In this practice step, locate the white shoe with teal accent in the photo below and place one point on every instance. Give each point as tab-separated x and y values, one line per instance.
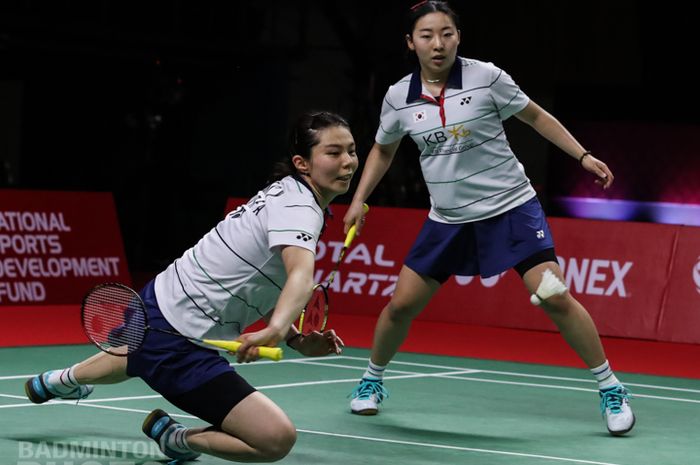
39	390
367	396
614	405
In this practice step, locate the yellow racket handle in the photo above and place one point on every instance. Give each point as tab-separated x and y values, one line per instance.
351	232
272	353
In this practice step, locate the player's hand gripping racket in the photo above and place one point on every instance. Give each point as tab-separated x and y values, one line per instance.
315	315
114	318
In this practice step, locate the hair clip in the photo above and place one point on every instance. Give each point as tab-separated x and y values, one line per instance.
418	5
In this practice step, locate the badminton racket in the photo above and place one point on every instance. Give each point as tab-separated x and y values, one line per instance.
315	315
115	320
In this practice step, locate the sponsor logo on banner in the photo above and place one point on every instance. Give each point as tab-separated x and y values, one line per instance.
586	276
596	276
48	254
356	282
696	275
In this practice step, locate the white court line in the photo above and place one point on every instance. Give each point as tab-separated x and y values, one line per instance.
394	441
409	375
355	367
260	388
526	375
354	380
459	448
312	361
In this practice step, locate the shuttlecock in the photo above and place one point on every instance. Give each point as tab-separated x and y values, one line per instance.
549	286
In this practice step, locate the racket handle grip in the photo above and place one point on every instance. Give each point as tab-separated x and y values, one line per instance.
351	232
272	353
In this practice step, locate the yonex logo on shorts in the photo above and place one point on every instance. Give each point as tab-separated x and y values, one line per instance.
540	234
696	275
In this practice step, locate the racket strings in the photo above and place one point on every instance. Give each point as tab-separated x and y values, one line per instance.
114	319
315	313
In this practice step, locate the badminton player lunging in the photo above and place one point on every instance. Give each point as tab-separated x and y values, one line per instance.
260	257
484	217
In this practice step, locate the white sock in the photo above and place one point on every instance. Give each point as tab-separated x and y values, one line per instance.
176	438
62	381
374	371
605	376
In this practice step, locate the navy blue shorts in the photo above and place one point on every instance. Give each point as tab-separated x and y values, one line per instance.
487	247
172	365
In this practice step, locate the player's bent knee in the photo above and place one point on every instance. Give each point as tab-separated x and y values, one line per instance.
398	312
558	305
277	447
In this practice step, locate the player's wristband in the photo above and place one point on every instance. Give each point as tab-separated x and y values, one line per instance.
584	155
292	339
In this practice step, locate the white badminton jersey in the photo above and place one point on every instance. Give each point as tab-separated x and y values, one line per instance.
234	274
467	163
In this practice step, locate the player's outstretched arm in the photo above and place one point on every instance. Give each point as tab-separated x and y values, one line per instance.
551	129
299	264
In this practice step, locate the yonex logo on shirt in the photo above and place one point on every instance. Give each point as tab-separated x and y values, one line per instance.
304	237
466	100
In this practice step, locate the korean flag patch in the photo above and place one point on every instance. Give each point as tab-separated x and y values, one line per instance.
419	116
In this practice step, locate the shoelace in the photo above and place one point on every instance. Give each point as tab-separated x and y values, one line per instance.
367	387
613	399
84	391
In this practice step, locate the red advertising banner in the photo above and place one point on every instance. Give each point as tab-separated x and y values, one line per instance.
637	280
680	313
54	246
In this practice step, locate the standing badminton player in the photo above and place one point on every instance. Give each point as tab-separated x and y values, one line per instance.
260	257
484	217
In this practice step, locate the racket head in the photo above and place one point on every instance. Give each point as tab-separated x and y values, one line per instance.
114	318
315	315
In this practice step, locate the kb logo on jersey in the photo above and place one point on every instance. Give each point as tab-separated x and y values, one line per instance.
434	138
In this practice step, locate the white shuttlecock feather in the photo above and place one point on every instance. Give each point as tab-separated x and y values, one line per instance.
549	286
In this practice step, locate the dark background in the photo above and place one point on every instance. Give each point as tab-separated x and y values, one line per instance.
176	105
